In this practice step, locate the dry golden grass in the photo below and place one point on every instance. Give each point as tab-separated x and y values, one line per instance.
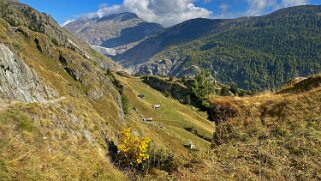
274	137
58	140
44	142
69	136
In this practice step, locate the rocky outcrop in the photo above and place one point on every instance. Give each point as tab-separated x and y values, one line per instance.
52	57
20	82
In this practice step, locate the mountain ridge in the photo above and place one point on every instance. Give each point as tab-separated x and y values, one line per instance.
242	41
113	31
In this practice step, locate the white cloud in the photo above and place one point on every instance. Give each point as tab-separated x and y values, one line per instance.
288	3
171	12
106	10
259	7
165	12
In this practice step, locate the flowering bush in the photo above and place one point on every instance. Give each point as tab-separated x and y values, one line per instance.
133	148
136	154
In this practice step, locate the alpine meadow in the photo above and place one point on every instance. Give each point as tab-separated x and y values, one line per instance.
160	90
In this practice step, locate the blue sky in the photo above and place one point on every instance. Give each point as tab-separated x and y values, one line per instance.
166	12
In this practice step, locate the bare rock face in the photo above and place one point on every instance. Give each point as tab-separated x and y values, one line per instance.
18	81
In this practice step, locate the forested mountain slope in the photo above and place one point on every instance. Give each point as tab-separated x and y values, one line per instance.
254	52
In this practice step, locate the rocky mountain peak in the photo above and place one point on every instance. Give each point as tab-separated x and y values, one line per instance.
116	32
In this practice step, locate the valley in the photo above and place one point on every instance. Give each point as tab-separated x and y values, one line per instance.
256	53
230	99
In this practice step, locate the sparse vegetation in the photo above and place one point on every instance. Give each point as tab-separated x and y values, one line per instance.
120	88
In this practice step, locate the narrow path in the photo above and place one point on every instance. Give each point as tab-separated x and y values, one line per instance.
52	101
4	104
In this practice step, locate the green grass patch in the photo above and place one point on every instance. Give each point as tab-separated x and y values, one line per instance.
18	118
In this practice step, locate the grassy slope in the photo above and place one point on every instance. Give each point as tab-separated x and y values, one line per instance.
291	121
54	140
274	137
65	139
168	127
43	141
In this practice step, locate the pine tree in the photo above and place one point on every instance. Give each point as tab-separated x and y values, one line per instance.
203	85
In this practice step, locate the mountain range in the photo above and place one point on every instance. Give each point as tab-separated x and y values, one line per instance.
69	113
253	52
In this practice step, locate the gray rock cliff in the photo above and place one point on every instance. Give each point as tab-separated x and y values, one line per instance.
20	82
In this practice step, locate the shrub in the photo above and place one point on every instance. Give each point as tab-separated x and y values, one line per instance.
124	101
131	152
223	110
55	41
234	89
162	160
225	91
135	154
133	148
203	85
